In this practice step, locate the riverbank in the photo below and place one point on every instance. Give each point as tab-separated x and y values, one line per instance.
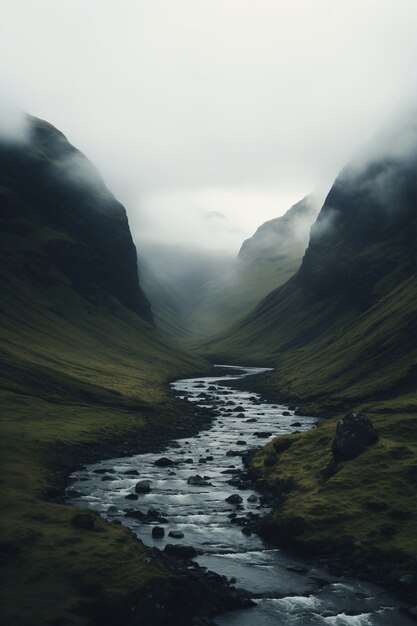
362	519
55	571
196	496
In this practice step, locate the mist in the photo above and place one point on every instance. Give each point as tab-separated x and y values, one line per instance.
234	107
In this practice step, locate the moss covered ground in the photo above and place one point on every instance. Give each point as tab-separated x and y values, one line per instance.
365	513
77	377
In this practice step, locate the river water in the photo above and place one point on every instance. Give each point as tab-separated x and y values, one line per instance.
288	591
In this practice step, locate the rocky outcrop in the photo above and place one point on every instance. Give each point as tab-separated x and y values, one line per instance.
354	433
52	193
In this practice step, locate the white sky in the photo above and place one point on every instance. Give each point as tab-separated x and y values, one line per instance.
191	106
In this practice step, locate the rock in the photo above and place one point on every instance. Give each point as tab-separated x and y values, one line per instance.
251	420
262	434
108	478
153	515
158	532
354	433
143	486
239	408
176	534
131	473
296	424
164	462
131	496
286	413
197	480
211	388
234	499
83	521
234	453
180	551
104	470
135	513
241	442
252	498
188	461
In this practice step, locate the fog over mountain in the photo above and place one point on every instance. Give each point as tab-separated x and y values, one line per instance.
186	108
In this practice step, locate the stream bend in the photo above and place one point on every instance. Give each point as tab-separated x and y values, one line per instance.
288	591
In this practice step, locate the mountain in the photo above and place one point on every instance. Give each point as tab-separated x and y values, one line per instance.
174	279
82	373
194	294
266	260
341	337
343	325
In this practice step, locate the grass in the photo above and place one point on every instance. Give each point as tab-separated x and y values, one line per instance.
76	376
368	505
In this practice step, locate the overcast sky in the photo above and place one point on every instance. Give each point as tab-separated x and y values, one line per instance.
190	108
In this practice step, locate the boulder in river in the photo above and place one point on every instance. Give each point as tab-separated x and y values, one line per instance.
235	498
179	551
198	480
354	433
164	462
176	534
158	532
131	472
262	434
143	486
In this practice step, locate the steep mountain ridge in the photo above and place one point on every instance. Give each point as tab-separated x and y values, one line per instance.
82	372
47	183
267	259
334	320
341	337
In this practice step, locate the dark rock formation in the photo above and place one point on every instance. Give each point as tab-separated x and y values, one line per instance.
354	433
52	184
179	551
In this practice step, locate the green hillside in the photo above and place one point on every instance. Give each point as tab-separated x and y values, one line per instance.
341	336
82	370
343	326
265	261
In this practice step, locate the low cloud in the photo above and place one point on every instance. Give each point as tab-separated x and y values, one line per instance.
14	125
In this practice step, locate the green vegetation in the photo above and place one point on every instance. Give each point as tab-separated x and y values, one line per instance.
340	336
73	377
366	511
80	374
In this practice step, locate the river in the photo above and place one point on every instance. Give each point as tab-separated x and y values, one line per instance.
288	591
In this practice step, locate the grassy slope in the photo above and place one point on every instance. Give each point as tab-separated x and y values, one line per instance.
333	355
74	375
366	512
231	297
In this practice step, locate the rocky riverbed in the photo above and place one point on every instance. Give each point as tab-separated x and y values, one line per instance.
195	503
